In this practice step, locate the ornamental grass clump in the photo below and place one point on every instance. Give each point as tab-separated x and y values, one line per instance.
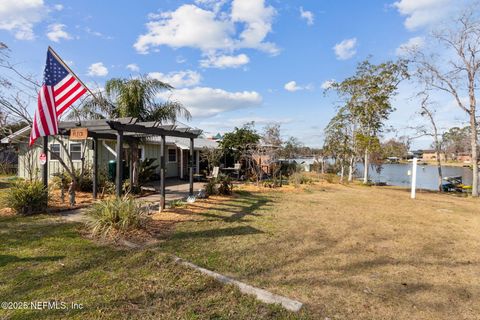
118	215
26	197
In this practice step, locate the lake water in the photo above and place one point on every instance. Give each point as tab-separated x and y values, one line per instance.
427	176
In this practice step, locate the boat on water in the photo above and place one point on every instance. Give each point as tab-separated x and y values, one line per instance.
454	184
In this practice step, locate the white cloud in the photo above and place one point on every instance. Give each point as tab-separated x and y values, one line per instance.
178	79
258	23
346	49
327	84
58	7
421	13
412	44
307	15
292	86
56	32
97	70
225	61
214	5
133	67
19	17
97	34
246	26
206	102
180	28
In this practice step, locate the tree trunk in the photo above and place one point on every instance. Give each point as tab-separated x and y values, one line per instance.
439	167
365	170
473	132
134	155
350	169
342	171
474	146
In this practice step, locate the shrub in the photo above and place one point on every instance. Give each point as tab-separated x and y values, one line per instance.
330	177
298	178
177	204
146	169
128	188
222	185
211	188
225	186
26	197
84	182
116	215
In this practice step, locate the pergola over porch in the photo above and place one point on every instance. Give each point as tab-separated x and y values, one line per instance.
129	130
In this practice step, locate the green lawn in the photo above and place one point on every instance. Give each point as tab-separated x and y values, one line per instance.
347	252
44	259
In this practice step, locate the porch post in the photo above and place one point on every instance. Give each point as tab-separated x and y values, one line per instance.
45	166
95	167
119	173
162	174
181	163
198	161
190	167
130	164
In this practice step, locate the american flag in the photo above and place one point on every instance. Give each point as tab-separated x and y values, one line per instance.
60	90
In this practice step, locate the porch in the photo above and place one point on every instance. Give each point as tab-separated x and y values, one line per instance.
175	189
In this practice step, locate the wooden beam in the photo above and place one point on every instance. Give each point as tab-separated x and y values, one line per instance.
93	123
191	160
95	168
152	130
45	166
162	173
119	171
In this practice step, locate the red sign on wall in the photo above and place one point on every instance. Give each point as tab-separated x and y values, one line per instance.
43	158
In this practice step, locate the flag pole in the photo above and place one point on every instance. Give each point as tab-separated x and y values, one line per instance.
71	71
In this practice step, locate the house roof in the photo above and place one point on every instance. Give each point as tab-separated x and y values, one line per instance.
184	143
14	137
107	129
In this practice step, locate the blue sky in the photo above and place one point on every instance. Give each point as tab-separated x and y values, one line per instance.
230	61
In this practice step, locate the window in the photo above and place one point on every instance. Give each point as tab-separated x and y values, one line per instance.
76	151
140	153
172	155
54	151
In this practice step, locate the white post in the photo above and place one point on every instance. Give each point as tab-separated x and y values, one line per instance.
414	177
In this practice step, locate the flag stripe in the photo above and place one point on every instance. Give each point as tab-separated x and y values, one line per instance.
67	93
51	99
51	108
47	112
81	91
59	91
65	88
61	83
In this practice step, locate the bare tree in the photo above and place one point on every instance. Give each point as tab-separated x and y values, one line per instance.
21	91
428	111
457	73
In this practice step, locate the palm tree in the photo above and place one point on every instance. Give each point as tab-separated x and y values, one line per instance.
138	98
131	97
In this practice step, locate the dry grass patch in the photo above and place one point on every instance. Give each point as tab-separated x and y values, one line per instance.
348	252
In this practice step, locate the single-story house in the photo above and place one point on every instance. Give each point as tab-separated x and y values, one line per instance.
177	154
431	155
464	157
